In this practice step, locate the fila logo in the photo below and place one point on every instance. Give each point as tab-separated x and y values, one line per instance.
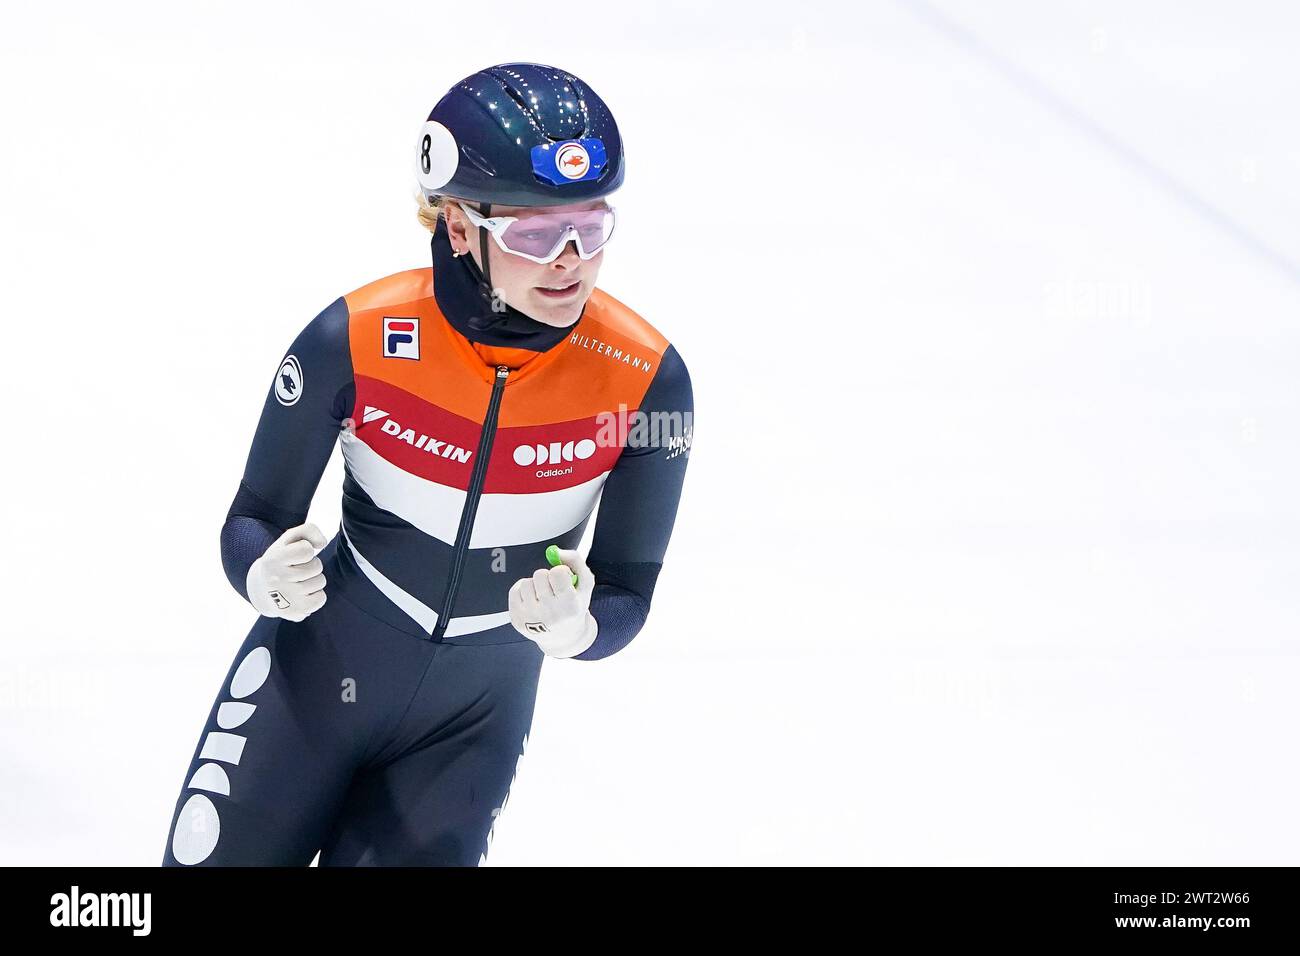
434	446
529	455
401	338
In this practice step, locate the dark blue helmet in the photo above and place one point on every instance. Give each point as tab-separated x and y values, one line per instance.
520	134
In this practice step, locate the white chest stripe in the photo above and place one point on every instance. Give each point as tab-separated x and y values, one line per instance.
413	607
504	520
431	507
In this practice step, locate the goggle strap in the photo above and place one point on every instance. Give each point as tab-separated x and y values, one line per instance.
483	209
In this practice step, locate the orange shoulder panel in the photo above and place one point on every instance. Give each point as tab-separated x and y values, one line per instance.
399	288
617	317
610	358
441	375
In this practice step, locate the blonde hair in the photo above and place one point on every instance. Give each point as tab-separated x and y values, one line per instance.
430	210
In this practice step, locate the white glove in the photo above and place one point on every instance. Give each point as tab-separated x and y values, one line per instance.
548	610
286	581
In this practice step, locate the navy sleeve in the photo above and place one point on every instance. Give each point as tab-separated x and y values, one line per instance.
638	507
312	393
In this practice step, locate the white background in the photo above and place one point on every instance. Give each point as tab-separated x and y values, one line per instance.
988	547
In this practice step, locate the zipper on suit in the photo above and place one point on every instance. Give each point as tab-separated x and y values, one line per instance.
476	478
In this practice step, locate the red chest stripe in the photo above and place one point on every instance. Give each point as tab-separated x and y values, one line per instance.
531	458
415	435
426	440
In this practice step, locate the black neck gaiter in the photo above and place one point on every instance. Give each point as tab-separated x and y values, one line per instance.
464	298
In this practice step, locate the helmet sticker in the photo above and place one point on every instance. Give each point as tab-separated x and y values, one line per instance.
436	156
572	161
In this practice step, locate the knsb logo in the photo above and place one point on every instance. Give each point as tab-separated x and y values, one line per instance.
401	338
102	909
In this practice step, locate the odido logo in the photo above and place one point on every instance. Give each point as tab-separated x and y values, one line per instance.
554	453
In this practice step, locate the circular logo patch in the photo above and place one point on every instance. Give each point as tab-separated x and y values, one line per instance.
572	160
288	381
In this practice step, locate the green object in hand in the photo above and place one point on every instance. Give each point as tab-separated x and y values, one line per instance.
553	558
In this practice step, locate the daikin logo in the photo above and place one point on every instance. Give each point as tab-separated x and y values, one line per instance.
434	446
102	909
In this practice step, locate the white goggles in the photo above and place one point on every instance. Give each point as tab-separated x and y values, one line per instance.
542	237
